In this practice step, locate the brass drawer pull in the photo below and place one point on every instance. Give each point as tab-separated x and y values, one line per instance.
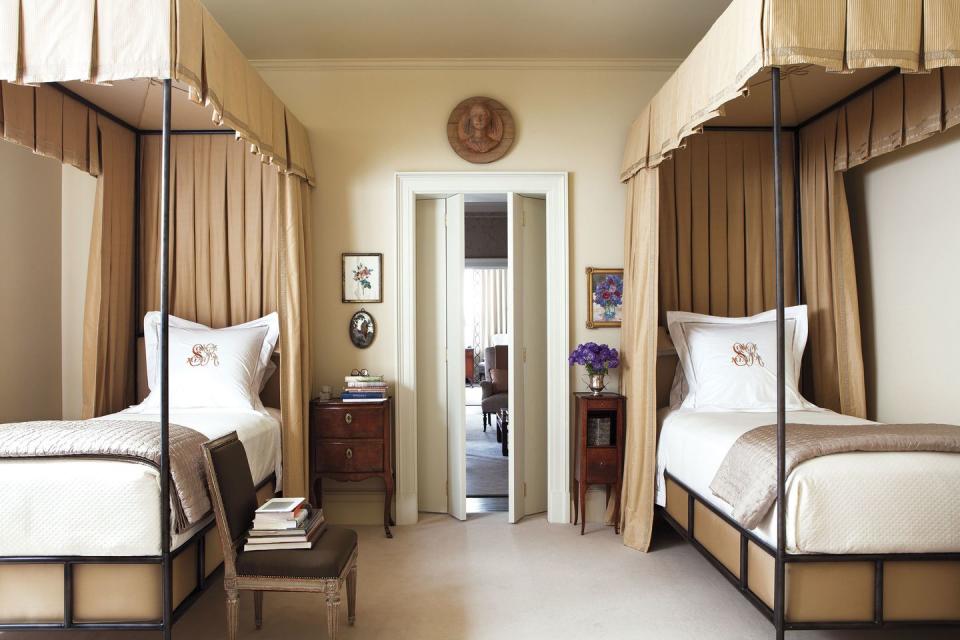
348	418
349	454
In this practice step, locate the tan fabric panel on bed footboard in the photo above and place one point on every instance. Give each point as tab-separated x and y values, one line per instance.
816	591
677	504
101	592
719	538
921	590
129	593
31	592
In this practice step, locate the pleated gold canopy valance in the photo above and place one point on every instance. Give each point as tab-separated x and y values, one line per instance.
104	41
832	37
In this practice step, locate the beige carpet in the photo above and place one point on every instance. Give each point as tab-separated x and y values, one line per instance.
448	580
487	467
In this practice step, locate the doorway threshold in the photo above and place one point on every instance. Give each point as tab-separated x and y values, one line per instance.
488	504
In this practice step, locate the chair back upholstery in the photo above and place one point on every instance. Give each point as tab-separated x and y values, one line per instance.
232	493
495	358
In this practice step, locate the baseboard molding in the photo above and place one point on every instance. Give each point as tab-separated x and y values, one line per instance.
366	507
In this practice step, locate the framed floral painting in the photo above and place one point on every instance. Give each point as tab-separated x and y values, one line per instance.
604	297
362	277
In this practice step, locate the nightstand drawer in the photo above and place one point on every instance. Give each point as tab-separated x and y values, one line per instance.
361	456
601	464
603	404
337	421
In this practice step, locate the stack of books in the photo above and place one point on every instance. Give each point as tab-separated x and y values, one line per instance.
285	523
364	389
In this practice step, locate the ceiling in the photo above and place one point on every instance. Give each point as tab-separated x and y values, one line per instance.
599	29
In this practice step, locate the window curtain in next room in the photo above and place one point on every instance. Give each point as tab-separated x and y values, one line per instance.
239	232
485	307
53	125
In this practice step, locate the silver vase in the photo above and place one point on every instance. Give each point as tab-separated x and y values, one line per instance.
596	384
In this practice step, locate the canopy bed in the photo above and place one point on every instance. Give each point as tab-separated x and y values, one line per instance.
213	228
736	205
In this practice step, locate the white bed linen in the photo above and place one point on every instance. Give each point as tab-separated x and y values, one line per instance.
876	502
110	507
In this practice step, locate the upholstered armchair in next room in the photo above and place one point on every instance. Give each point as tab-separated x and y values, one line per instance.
494	390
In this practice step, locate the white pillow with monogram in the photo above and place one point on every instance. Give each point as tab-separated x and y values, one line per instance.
730	364
213	368
151	344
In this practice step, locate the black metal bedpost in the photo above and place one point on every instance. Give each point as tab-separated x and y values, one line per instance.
137	319
779	586
166	564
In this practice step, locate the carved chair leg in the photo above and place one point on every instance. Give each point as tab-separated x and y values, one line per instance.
332	592
258	608
233	611
352	595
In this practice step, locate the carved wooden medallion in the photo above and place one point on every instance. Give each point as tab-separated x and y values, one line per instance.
480	130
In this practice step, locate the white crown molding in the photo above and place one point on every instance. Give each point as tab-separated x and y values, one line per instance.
512	64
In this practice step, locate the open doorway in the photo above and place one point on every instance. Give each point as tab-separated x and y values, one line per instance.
481	380
486	351
432	332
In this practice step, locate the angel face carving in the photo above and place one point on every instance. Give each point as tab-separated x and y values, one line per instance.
480	129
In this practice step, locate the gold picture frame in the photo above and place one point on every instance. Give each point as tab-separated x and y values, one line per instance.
604	284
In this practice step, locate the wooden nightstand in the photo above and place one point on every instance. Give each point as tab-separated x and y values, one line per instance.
599	459
352	442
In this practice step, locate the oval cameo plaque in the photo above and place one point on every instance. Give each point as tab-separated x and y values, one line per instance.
363	329
480	130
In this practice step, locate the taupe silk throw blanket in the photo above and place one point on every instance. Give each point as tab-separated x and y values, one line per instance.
132	440
747	478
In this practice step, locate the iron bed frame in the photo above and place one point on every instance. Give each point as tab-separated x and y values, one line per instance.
165	559
777	614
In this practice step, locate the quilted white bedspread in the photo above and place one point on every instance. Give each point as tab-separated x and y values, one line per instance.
844	503
111	507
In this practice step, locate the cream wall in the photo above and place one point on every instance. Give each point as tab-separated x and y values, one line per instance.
79	190
29	285
907	226
367	124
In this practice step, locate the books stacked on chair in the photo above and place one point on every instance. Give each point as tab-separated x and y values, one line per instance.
364	389
285	523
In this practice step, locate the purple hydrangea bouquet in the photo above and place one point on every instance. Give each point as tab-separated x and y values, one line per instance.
598	359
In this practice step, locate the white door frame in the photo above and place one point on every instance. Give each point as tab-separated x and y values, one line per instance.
553	185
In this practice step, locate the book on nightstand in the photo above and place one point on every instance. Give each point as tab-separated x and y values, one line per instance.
364	389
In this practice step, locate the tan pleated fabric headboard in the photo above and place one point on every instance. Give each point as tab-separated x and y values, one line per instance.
666	366
270	395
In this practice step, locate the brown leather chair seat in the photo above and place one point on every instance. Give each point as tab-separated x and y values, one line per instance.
326	559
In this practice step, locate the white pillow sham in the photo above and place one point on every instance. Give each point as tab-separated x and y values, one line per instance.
151	339
730	364
213	368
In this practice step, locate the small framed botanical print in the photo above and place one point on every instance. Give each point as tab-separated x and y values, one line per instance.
362	277
604	297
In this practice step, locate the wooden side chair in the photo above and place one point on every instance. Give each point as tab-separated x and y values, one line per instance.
322	569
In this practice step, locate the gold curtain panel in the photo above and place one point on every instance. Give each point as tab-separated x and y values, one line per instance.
224	237
717	226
